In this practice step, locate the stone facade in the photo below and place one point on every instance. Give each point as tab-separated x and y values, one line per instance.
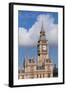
41	68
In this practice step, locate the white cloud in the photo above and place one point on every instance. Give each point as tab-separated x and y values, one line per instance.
30	38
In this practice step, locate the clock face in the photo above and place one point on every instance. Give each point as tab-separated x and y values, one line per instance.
44	47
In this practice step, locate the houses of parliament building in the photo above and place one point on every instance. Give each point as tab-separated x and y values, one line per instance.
41	68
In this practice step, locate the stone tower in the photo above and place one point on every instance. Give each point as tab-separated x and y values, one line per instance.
42	48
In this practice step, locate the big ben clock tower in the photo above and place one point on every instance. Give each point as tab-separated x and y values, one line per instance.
42	47
44	66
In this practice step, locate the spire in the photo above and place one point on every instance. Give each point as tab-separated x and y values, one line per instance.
42	32
42	29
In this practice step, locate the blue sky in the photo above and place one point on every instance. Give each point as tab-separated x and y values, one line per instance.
26	19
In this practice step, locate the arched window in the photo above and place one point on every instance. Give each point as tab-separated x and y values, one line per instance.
22	76
43	75
48	74
37	75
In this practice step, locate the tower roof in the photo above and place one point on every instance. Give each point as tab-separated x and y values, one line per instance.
42	28
42	34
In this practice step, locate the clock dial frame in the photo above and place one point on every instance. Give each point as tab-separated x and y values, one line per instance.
44	47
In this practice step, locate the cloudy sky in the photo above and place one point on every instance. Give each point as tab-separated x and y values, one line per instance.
29	27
